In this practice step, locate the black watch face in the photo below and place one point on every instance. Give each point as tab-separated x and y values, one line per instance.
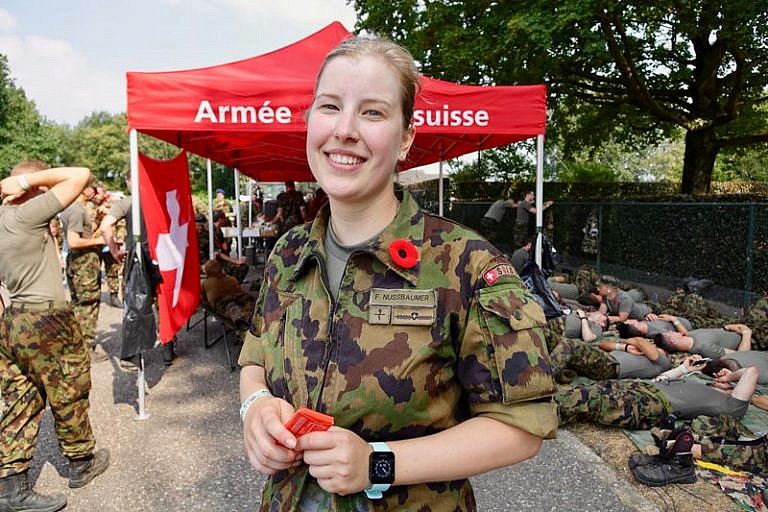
382	468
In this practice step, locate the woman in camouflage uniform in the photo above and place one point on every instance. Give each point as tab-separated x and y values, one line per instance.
412	331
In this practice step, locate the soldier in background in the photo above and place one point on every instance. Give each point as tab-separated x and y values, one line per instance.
99	207
489	224
221	203
83	267
291	208
526	212
236	267
54	227
590	241
42	353
201	226
641	405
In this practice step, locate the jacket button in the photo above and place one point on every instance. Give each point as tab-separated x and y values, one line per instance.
518	314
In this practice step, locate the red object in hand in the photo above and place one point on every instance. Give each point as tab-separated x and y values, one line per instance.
404	253
306	420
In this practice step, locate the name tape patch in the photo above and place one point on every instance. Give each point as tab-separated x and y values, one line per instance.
493	275
402	307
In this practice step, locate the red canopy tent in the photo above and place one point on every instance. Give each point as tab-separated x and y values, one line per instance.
249	114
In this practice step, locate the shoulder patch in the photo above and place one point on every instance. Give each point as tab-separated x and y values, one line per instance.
501	270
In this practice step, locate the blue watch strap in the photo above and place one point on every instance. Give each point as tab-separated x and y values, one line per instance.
374	492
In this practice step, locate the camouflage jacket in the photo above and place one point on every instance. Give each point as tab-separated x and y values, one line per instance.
402	353
222	204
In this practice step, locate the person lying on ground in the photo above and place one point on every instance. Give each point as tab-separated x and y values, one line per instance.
640	405
236	267
611	358
619	305
693	307
583	325
653	325
736	360
225	295
712	343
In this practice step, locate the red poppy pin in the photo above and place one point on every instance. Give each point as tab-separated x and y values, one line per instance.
403	253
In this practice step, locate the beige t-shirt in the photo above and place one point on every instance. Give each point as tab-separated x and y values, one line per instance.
77	219
29	266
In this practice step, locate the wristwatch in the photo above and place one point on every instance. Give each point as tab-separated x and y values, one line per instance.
381	470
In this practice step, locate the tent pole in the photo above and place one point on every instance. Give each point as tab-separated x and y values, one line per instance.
440	191
250	202
136	228
210	212
237	215
539	194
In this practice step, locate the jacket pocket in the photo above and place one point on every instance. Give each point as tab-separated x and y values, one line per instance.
513	330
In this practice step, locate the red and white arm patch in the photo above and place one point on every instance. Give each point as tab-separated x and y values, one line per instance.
501	270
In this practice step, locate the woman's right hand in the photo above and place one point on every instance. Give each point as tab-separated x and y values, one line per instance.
268	444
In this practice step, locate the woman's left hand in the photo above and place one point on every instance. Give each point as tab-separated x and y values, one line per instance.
338	459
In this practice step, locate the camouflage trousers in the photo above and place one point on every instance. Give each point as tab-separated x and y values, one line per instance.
629	404
236	308
521	234
236	270
585	279
757	319
554	332
489	228
585	359
84	279
112	269
718	436
42	356
694	308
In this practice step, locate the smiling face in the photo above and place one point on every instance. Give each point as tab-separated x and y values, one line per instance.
355	132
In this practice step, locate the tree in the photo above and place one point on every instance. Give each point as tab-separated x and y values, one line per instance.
499	164
629	69
100	142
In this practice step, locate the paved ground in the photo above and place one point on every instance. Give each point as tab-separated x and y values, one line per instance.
187	456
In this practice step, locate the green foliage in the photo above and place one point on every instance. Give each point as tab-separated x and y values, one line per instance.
628	72
748	164
500	164
100	142
587	172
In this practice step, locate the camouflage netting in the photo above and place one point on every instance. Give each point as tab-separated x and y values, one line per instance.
657	237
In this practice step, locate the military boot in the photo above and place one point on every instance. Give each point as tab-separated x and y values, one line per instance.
673	464
670	443
82	471
16	496
678	469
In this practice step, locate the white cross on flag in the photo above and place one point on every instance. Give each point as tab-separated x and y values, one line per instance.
166	201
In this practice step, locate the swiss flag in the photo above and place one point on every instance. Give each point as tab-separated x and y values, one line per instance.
166	201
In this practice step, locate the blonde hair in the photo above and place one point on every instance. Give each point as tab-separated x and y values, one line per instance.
395	55
28	166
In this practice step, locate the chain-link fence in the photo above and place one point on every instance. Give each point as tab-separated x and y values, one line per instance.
656	243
